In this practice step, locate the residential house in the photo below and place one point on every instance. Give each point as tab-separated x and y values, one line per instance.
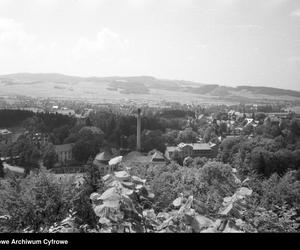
63	111
13	169
38	139
251	121
102	161
193	150
92	129
5	136
64	153
156	157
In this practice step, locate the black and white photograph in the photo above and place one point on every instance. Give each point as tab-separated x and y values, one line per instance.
148	116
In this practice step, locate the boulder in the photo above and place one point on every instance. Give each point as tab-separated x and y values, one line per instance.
106	177
149	213
201	222
162	216
115	160
243	191
177	202
209	230
228	202
189	217
137	180
151	195
95	196
110	194
122	175
128	184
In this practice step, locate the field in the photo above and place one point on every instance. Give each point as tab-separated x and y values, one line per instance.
142	89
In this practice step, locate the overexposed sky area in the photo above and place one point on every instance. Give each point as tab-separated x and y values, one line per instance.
227	42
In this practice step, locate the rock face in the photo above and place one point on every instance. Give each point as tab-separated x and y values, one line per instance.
115	161
230	202
126	206
121	203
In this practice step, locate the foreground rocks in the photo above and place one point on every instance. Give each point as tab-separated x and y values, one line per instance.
126	206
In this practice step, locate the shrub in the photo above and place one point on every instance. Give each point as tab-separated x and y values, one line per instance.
35	201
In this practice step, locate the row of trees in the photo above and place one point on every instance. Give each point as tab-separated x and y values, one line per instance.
264	154
11	117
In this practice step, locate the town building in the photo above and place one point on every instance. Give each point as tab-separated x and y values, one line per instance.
63	111
5	136
156	157
279	114
64	153
193	150
66	111
102	159
39	139
91	129
19	171
250	121
293	110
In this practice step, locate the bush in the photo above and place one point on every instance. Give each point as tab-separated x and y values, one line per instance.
36	201
209	185
278	191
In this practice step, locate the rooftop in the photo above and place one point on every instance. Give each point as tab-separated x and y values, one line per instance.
93	129
13	168
104	156
157	156
4	132
63	147
195	146
135	156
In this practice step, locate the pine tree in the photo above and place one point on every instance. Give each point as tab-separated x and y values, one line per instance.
1	169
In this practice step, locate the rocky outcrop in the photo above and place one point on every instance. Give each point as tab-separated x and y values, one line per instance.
126	206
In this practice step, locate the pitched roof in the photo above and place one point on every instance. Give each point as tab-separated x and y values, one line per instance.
157	156
13	168
93	129
135	156
200	146
104	156
195	146
182	145
5	132
172	148
63	147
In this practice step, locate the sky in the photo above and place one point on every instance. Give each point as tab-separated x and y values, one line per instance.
226	42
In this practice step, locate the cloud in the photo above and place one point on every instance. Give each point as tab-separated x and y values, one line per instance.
13	37
4	2
248	27
227	2
295	13
202	45
23	51
294	59
106	41
8	24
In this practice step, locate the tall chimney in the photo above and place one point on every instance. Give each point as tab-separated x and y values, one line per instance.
138	131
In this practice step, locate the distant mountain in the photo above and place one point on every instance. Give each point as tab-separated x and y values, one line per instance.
117	87
40	77
269	91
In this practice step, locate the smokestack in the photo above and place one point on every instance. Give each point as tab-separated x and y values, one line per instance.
138	131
